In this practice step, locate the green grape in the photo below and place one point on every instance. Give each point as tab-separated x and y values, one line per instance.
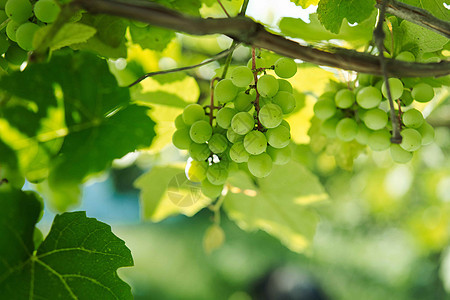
179	123
47	11
233	137
11	30
255	142
329	127
196	170
218	143
406	56
181	139
379	140
400	155
427	133
284	85
242	123
244	101
411	139
406	98
267	86
279	156
16	55
285	124
365	79
18	10
285	100
259	62
270	115
375	119
363	134
278	137
242	76
4	43
225	91
238	153
263	101
199	152
224	116
217	173
200	132
396	86
260	165
368	97
422	92
324	109
285	67
412	118
211	190
344	98
25	34
346	129
193	113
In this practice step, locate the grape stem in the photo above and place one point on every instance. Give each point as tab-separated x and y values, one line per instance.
255	77
399	116
379	36
216	209
4	23
223	8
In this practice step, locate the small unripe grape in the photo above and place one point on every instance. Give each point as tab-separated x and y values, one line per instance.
324	109
18	10
422	92
233	136
411	139
25	34
285	124
193	113
406	56
285	67
363	134
4	43
211	190
244	101
396	86
238	153
270	115
267	86
375	119
217	173
279	156
225	91
242	76
427	133
284	85
400	155
16	55
285	100
346	129
259	62
200	132
329	127
242	123
412	118
406	98
196	170
47	10
179	123
263	101
260	165
379	140
224	116
278	137
181	139
218	143
11	30
344	98
368	97
199	152
365	79
255	142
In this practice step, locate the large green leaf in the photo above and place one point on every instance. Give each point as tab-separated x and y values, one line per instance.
77	260
435	7
419	40
278	204
151	37
69	34
332	12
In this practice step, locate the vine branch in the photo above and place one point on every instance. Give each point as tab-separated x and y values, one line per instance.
247	31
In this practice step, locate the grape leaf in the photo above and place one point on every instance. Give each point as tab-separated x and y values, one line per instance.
77	260
278	204
435	7
305	3
419	40
165	191
151	37
69	34
332	12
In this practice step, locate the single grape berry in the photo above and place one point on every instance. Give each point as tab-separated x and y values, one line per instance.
285	124
199	152
285	100
363	134
218	143
48	10
324	109
260	165
200	132
179	123
406	98
412	118
411	139
344	98
379	140
16	55
217	173
368	97
375	119
242	123
255	142
284	85
244	101
224	116
365	79
193	113
233	137
225	91
270	115
278	137
4	43
400	155
238	153
241	76
279	156
267	86
329	127
259	63
11	30
211	190
427	133
396	86
18	10
285	67
25	34
346	129
181	139
196	170
422	92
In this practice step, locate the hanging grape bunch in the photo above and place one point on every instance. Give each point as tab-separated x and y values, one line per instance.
242	128
362	113
22	19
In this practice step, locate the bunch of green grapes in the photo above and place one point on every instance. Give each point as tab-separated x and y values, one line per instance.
362	113
246	131
20	20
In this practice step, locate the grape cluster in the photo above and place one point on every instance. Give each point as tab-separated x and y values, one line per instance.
23	18
246	129
362	113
